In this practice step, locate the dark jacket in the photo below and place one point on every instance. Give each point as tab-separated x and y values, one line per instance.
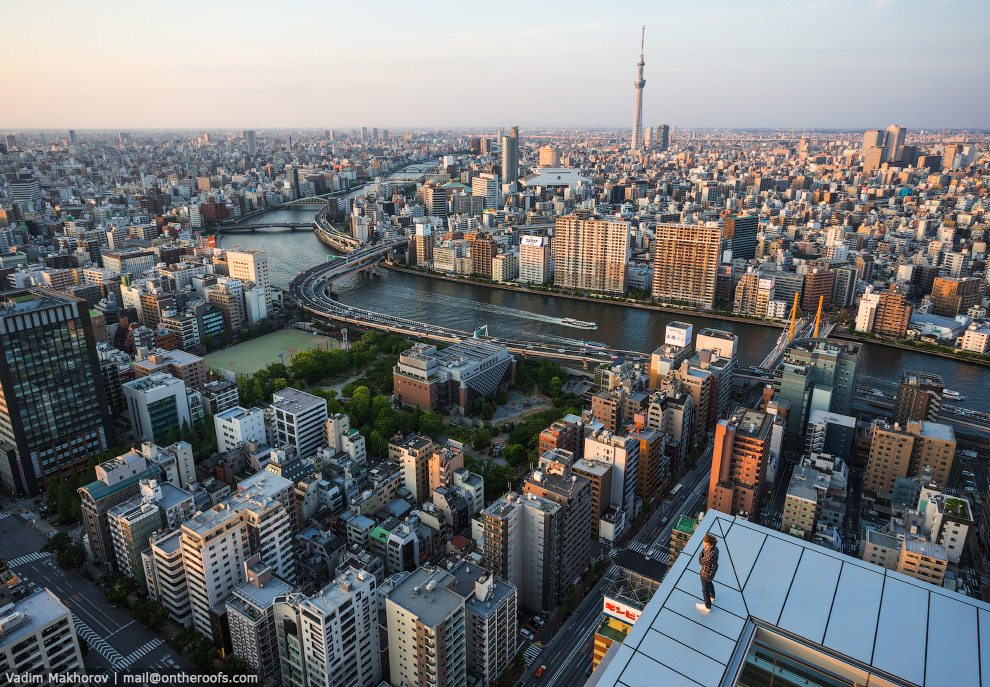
708	559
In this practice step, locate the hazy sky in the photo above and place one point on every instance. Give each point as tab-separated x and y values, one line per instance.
278	63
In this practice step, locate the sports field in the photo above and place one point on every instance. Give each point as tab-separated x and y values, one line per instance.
249	357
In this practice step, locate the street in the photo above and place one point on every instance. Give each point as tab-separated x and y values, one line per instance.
117	642
568	654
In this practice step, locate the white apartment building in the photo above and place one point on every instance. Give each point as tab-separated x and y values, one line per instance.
340	437
505	267
535	266
976	338
867	313
622	453
300	419
165	575
38	639
330	639
251	266
426	630
237	425
251	619
486	186
214	545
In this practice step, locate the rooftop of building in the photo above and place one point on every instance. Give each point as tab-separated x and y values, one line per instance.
336	592
830	611
821	345
294	401
751	423
424	594
466	574
685	524
822	417
640	564
162	357
36	610
20	302
152	382
262	596
237	412
98	490
169	542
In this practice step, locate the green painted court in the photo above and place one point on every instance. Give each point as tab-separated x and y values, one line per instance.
249	357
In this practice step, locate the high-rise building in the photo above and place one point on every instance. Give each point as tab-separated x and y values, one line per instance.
663	136
413	454
482	251
117	480
816	374
486	186
590	254
38	640
510	157
535	266
53	409
250	138
739	233
491	624
919	397
639	83
554	480
251	266
952	296
216	542
904	450
523	540
331	638
166	575
685	262
72	136
622	453
895	141
427	645
739	462
161	405
299	420
251	619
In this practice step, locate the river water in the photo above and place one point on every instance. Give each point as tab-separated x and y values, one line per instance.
532	316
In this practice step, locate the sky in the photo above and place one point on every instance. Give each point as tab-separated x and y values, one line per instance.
709	63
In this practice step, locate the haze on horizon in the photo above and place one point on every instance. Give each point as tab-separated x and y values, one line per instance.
250	64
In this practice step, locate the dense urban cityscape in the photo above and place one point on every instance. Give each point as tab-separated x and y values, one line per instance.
495	405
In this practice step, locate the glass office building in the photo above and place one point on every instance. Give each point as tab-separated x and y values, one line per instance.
53	411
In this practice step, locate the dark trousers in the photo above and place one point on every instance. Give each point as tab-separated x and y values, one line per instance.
708	591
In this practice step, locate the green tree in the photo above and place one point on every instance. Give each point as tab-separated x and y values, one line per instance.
502	397
378	443
481	438
72	557
431	424
233	665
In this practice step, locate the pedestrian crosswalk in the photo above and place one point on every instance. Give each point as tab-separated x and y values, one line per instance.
146	649
27	558
97	642
639	547
531	653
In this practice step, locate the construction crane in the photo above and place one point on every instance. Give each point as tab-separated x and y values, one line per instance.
790	332
818	317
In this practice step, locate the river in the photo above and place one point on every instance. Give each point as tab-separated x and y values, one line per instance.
529	316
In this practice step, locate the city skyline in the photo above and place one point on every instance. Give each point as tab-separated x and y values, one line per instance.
752	67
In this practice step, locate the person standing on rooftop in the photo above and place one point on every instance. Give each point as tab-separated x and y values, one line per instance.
708	560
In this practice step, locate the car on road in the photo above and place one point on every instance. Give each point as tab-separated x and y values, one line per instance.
663	520
539	671
526	634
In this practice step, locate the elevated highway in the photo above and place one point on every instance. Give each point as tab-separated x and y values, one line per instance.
312	290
